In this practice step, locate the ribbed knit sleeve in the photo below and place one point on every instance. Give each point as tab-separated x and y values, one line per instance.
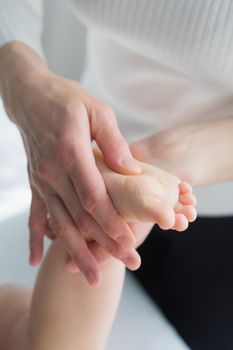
22	20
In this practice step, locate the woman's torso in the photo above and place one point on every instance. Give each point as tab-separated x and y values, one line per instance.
161	64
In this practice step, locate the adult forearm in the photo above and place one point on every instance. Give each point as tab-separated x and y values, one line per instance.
20	68
200	154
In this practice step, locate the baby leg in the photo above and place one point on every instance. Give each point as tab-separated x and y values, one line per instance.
65	312
14	306
68	313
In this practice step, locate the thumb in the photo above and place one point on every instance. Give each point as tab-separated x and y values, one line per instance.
114	147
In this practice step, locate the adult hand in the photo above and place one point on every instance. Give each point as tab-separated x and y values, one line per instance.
58	119
187	151
140	230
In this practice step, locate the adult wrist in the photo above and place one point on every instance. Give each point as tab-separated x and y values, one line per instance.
198	153
19	61
168	150
20	69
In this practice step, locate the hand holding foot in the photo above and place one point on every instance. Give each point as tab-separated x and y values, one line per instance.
142	200
154	196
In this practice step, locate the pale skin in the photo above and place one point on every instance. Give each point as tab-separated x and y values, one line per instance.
64	309
168	152
15	301
58	119
172	151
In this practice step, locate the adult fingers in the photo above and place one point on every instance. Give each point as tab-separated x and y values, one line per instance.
130	259
89	227
73	151
100	254
94	199
65	230
114	147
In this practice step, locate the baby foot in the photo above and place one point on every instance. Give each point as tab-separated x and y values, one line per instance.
154	196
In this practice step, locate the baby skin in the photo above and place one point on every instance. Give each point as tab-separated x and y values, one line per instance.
64	309
154	196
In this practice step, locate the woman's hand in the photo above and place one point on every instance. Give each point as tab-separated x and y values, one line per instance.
200	154
141	230
58	120
155	196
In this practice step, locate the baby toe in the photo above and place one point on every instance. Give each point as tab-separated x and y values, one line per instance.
188	199
185	187
190	212
181	223
178	207
161	213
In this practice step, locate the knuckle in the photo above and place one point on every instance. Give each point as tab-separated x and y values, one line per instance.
34	181
83	222
117	142
109	228
33	226
72	108
90	201
59	230
79	256
113	249
68	150
65	149
106	112
43	170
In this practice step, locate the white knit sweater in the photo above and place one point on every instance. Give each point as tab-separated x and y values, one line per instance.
159	63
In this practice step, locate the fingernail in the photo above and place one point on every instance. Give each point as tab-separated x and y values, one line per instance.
91	277
128	260
131	262
131	164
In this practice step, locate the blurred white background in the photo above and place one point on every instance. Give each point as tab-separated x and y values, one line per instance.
139	323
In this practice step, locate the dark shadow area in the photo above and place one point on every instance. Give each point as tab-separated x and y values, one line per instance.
190	276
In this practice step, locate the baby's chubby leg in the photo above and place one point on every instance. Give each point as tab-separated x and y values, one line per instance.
153	196
68	313
14	307
64	311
